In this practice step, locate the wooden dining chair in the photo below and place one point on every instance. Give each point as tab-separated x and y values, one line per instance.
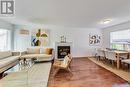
64	65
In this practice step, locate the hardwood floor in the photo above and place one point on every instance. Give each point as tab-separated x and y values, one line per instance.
86	74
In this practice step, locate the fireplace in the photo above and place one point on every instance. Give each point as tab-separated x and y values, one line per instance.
63	51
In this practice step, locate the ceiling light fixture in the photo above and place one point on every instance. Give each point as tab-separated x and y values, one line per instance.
106	21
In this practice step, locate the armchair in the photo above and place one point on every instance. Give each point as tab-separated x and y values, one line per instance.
65	64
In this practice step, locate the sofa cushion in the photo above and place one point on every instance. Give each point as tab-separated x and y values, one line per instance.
42	51
48	51
44	56
4	54
33	50
35	56
6	61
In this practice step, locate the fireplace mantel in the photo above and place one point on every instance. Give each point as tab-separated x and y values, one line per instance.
67	47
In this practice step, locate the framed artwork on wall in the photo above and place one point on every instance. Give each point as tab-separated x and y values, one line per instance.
94	39
40	37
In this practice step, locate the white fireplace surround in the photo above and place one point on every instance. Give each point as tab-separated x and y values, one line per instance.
62	44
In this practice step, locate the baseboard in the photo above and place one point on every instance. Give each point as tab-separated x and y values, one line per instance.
85	57
91	57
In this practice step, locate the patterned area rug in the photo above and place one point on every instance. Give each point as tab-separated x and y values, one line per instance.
85	74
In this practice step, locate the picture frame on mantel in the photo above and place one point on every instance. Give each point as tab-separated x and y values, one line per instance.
94	39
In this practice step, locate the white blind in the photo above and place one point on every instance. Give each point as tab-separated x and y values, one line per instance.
120	36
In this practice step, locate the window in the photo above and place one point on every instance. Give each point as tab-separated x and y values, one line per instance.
118	46
120	40
4	40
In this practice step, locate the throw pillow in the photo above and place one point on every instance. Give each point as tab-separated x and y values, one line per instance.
48	51
65	61
4	54
33	50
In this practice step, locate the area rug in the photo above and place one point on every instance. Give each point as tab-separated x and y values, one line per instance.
85	73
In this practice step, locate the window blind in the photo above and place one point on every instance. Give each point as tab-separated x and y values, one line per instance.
122	37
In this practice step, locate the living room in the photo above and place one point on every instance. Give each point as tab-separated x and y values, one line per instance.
79	33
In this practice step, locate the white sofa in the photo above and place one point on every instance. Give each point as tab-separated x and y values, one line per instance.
8	59
37	53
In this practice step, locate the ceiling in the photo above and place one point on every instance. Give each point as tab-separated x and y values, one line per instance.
71	13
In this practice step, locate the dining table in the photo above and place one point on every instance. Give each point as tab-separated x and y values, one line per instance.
119	54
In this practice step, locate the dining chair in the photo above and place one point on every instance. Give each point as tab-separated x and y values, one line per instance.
96	53
101	54
111	56
126	62
124	57
106	56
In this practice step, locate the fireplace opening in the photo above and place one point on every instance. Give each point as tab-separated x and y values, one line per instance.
63	51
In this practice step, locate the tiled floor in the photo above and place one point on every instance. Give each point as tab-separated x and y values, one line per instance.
86	74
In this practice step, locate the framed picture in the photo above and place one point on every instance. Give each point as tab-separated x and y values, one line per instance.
94	39
40	37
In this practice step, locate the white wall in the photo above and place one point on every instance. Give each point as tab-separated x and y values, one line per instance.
5	25
106	32
79	37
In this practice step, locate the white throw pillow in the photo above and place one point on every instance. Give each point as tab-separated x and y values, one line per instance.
65	61
42	51
33	50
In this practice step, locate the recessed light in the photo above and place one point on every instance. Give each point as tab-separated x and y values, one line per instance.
106	21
